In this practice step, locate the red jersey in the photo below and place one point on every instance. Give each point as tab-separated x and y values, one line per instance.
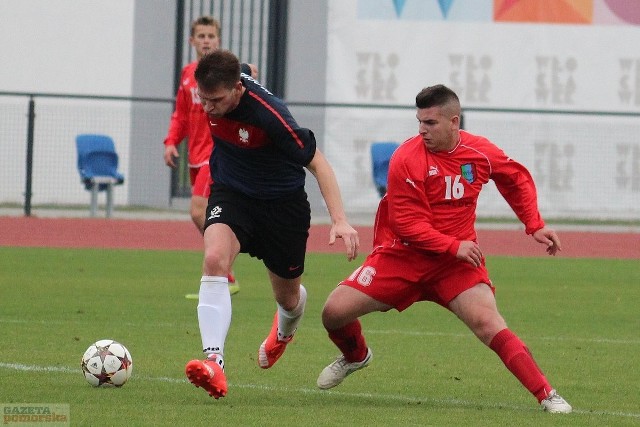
190	121
432	197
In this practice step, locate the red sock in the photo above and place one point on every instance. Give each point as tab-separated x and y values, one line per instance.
350	341
517	358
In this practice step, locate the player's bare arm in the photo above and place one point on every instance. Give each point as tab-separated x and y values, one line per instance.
340	228
548	237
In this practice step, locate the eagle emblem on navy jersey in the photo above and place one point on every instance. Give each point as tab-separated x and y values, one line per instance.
244	135
468	172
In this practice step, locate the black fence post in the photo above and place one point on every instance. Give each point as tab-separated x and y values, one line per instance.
177	59
177	71
277	47
30	127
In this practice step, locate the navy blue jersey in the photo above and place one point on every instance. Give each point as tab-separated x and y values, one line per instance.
259	149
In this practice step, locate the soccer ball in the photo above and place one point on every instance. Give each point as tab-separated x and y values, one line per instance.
107	363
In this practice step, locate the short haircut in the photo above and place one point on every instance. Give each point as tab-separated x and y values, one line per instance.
438	96
205	20
220	68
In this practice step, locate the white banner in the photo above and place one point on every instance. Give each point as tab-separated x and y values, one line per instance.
587	166
490	64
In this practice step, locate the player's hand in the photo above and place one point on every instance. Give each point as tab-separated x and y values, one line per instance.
470	252
344	231
548	237
170	154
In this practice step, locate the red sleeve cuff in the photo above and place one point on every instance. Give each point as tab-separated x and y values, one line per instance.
170	142
453	248
531	230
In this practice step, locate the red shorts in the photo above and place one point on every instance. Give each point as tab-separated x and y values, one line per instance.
399	276
200	181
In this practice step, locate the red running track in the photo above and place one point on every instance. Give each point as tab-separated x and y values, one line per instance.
181	235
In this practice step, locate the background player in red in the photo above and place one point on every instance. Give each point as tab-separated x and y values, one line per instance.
190	121
258	205
426	249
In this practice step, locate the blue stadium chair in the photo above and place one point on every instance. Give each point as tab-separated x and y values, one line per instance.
380	155
98	168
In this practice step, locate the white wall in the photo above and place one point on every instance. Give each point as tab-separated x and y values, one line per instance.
79	47
67	46
114	48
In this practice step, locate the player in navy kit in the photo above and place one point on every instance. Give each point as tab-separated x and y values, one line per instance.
190	121
258	205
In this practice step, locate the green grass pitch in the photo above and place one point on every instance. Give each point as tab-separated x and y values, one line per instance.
579	317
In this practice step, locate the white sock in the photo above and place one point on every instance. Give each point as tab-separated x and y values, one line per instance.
217	358
288	320
214	314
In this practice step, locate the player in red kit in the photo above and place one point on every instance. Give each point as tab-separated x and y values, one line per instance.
190	121
426	249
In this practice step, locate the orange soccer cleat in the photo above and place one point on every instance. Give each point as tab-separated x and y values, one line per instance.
209	375
272	347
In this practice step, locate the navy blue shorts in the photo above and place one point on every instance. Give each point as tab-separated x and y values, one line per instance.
275	231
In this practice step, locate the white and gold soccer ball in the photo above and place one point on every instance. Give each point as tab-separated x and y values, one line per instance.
107	363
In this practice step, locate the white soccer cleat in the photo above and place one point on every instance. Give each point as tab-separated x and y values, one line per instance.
555	404
336	372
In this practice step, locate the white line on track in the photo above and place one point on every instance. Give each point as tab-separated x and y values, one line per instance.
379	396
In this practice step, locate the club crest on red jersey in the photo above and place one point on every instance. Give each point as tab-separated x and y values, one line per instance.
468	171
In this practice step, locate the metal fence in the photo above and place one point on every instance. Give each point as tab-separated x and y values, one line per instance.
37	129
586	165
37	135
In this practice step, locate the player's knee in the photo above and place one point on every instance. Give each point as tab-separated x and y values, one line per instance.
486	327
215	264
333	317
289	303
197	216
327	316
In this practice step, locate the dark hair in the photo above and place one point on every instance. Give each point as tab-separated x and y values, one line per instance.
207	21
437	96
220	68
